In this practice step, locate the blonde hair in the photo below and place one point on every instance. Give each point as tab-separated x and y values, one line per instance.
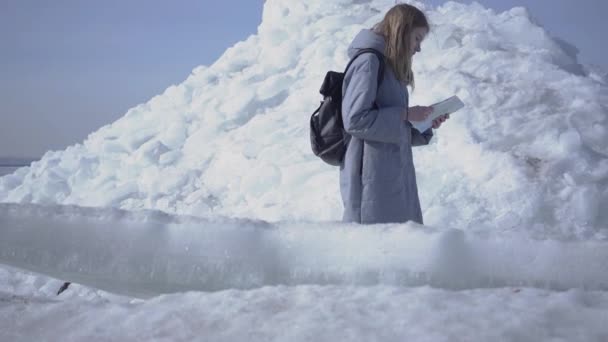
396	28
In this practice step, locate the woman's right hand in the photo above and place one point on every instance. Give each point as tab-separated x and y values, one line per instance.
418	113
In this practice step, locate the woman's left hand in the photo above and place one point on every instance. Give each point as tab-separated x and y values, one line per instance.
437	122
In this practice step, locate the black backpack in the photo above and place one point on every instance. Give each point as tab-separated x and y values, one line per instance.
327	135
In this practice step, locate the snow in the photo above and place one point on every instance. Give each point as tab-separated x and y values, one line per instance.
148	253
320	313
212	187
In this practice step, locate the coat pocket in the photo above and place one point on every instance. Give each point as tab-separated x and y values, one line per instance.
381	162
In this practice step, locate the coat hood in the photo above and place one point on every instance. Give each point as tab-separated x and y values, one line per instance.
366	39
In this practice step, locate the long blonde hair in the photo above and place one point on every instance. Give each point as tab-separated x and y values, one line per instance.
396	28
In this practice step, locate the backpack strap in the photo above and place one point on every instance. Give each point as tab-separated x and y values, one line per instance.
380	58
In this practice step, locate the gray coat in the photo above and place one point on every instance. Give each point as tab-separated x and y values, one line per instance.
377	176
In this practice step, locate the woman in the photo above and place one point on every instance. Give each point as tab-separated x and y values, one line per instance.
377	176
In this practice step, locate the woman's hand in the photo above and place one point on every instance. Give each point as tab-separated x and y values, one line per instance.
418	113
437	122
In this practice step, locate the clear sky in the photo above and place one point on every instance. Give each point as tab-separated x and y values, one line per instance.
71	66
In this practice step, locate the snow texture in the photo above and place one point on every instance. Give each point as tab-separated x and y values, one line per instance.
313	313
212	187
529	151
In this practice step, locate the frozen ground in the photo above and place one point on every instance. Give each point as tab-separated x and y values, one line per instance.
258	281
305	313
289	281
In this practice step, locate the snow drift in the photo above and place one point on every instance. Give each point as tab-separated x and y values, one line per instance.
530	150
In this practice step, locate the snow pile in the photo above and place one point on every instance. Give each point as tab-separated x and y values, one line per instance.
530	150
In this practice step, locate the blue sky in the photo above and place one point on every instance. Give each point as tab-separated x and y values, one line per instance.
70	66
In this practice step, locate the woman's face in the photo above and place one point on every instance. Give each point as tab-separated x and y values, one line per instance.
416	37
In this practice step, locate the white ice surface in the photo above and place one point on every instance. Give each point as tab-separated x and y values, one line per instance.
289	281
149	253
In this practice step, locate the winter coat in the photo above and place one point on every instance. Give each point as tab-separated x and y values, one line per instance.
377	176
